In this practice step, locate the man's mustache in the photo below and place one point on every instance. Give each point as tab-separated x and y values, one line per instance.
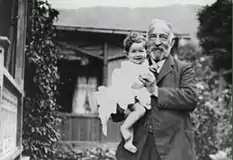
152	49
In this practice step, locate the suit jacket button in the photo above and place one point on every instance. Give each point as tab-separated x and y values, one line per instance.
150	129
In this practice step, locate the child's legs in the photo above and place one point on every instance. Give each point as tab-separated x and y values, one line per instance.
131	136
136	114
129	144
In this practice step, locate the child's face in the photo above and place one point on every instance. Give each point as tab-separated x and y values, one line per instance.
137	53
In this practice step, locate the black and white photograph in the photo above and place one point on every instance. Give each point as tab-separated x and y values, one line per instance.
116	80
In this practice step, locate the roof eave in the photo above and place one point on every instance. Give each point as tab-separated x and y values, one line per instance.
107	30
96	30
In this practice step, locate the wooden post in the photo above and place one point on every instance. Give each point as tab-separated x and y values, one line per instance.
1	86
105	65
20	60
21	38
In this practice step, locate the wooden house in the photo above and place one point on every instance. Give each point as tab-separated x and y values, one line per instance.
12	40
89	55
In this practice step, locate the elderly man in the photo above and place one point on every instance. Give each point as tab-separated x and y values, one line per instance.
165	131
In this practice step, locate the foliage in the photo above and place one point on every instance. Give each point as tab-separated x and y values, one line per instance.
67	152
41	78
213	116
215	34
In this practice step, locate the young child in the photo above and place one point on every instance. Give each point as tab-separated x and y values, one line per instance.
127	89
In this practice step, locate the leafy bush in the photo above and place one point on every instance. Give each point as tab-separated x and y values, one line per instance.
67	152
213	116
41	78
215	34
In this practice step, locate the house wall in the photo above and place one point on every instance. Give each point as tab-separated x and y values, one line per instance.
12	48
77	128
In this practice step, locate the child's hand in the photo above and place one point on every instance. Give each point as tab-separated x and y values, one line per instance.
137	85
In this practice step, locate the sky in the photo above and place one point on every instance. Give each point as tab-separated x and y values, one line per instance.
75	4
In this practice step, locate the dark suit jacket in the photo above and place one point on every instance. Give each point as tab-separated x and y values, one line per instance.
169	118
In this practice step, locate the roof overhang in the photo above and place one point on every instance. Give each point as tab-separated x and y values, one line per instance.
108	30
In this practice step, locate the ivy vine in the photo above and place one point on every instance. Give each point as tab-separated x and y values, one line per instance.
41	79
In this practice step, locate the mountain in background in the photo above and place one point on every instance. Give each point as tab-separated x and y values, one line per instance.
182	17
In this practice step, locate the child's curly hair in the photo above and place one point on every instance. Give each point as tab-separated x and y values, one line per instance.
133	37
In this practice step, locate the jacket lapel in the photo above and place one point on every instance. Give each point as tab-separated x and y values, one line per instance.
166	68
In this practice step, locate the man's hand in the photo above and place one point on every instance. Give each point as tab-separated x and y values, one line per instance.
148	79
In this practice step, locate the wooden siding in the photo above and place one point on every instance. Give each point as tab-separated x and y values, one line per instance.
81	128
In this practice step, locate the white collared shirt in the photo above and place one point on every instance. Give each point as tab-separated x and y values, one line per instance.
160	65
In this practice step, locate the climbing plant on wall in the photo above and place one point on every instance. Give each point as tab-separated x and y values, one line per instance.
41	79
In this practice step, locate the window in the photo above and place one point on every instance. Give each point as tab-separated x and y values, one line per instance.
8	28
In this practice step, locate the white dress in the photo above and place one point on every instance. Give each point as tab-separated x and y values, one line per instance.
125	87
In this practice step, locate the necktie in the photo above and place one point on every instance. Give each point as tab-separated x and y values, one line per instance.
154	68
